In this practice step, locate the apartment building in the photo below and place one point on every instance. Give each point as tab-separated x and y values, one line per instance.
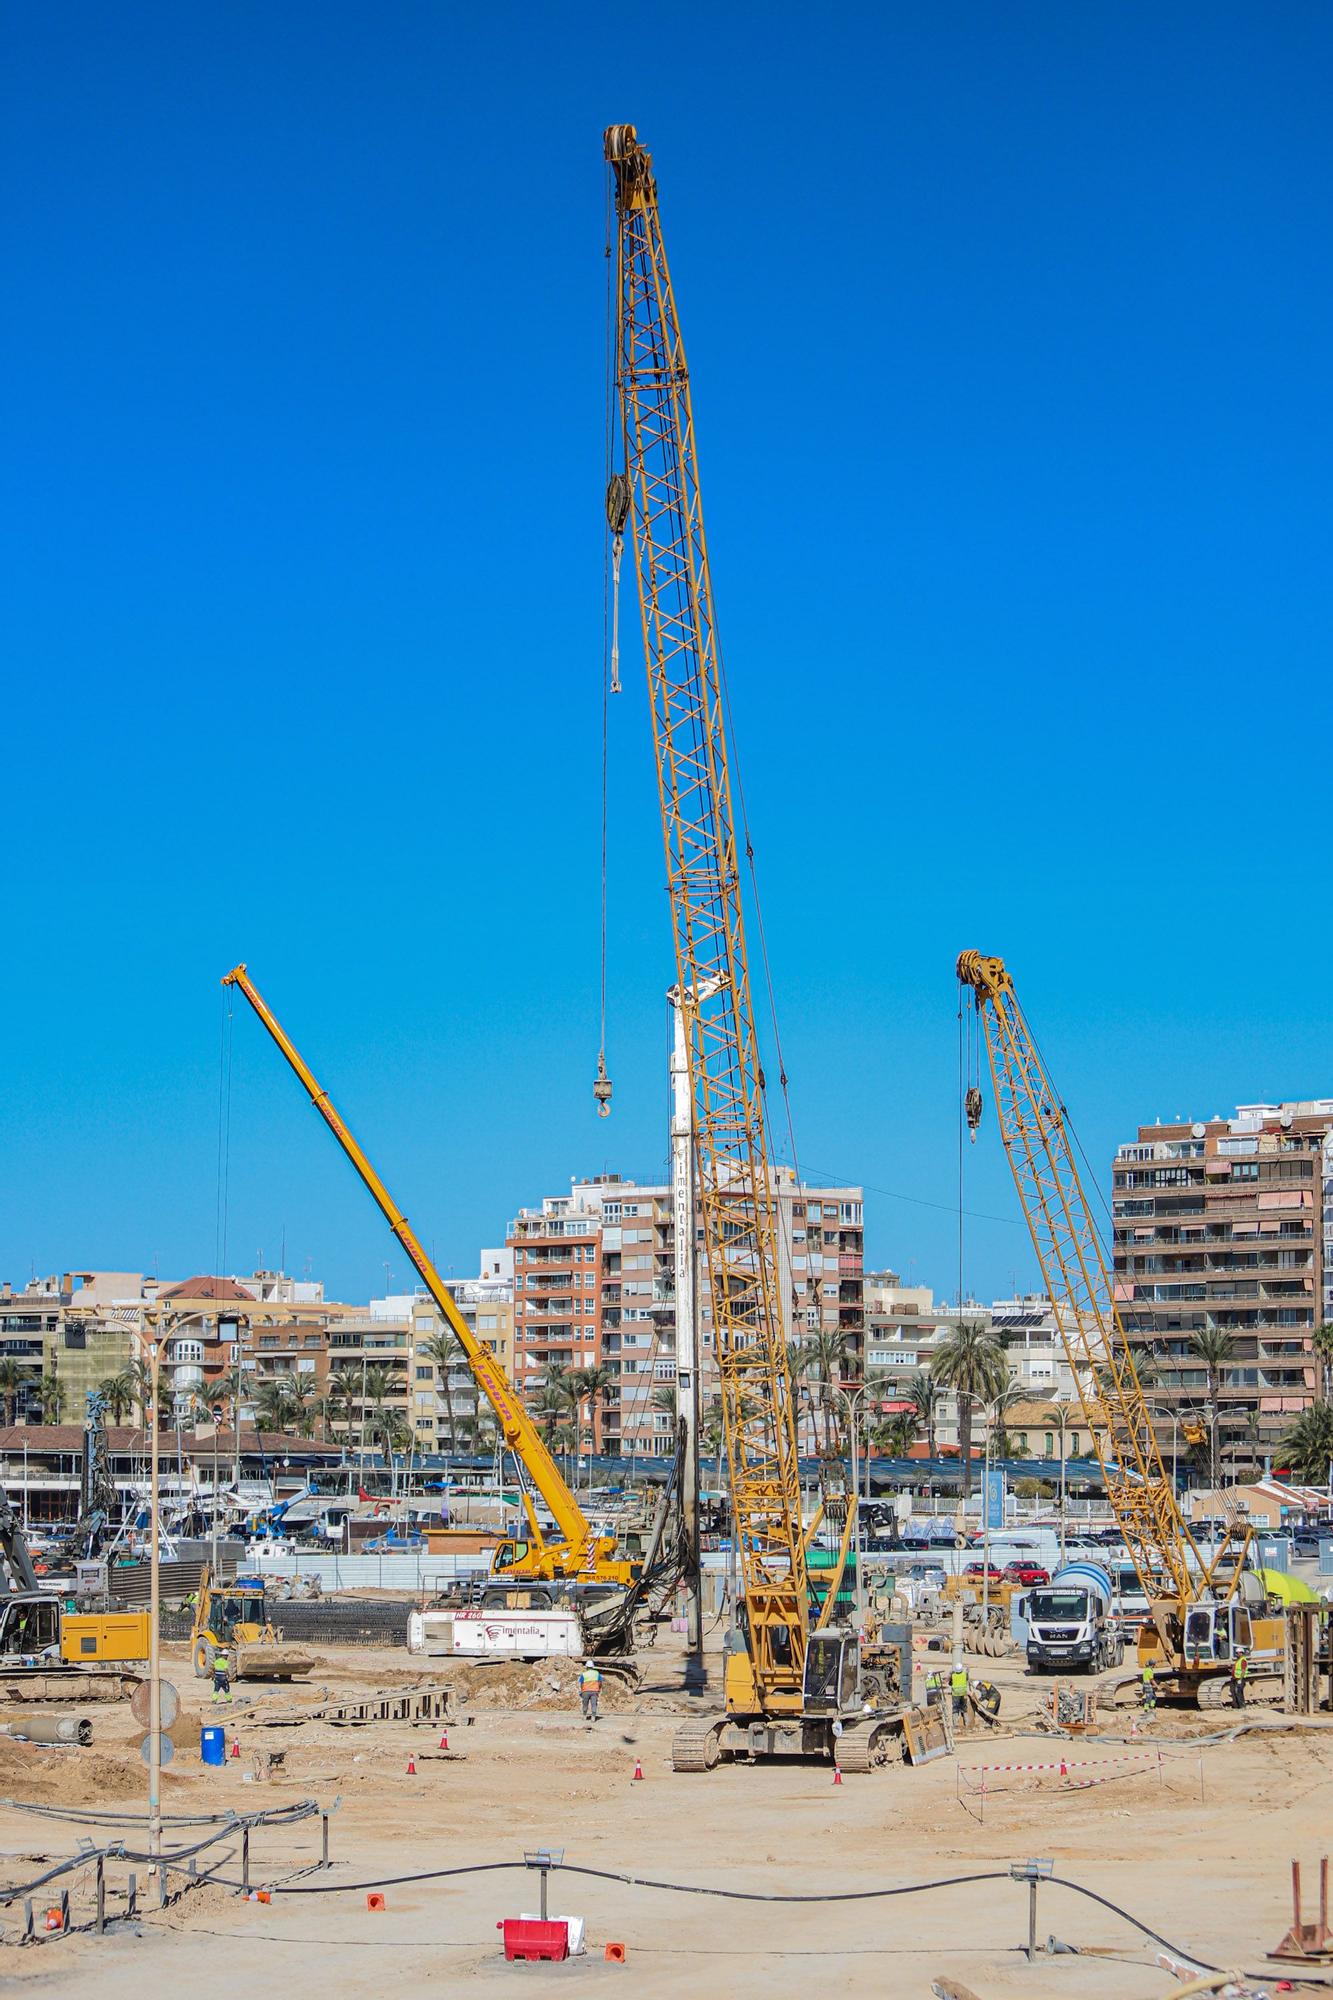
594	1287
77	1327
448	1410
1225	1226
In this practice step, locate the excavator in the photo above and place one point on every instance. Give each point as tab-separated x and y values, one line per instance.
588	1564
1204	1608
790	1686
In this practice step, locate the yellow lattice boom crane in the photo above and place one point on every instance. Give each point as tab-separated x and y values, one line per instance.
786	1688
575	1553
1205	1607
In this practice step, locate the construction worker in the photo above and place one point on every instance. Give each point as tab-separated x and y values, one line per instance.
1240	1673
934	1688
1148	1689
958	1688
590	1688
221	1675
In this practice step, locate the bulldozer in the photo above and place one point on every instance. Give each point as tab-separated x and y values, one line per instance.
232	1617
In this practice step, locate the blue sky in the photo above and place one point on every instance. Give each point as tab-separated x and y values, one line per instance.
1009	332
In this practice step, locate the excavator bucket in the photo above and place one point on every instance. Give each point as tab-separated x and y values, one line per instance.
272	1660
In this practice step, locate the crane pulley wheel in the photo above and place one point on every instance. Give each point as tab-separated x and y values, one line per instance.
617	502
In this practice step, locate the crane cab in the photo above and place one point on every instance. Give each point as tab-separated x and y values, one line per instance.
1216	1634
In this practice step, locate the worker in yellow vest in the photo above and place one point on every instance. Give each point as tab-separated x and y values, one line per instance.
590	1688
1240	1673
958	1685
1148	1689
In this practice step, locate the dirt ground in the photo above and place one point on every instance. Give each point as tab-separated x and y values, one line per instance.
1194	1838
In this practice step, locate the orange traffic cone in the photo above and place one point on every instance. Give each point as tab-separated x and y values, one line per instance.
837	1774
638	1769
235	1747
411	1767
444	1740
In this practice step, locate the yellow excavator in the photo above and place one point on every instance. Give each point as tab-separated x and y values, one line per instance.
574	1553
1205	1608
819	1692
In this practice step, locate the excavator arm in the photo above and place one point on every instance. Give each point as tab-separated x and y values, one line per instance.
579	1552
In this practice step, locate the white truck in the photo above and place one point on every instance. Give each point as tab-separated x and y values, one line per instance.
1071	1622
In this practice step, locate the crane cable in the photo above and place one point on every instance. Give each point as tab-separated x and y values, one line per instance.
222	1199
601	1089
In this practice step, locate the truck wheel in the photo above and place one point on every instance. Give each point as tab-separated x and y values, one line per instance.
202	1661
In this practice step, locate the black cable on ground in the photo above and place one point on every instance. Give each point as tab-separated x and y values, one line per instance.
271	1816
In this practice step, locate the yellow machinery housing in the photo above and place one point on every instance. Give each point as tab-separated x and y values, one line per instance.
107	1636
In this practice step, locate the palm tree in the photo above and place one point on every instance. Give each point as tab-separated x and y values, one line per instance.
826	1360
52	1393
141	1387
445	1351
1215	1348
550	1405
378	1384
118	1391
970	1361
1321	1340
1308	1445
275	1405
1007	1400
12	1379
895	1434
926	1397
339	1396
592	1386
710	1428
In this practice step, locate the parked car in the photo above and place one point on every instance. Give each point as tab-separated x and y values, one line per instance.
979	1569
1027	1574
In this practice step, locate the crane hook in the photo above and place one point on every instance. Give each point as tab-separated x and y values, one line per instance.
601	1088
972	1108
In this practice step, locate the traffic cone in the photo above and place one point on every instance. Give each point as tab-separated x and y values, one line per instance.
235	1747
638	1769
411	1767
444	1740
837	1774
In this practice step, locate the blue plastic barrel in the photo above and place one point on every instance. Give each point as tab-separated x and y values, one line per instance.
213	1745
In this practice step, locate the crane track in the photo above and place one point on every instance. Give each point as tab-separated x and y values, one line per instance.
695	1745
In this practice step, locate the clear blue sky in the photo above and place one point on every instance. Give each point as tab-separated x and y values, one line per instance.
1010	332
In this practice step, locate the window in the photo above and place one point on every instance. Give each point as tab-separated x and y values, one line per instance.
424	1374
1245	1170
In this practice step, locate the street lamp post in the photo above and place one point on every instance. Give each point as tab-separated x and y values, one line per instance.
854	1399
154	1642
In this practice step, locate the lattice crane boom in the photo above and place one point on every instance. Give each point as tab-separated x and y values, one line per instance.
703	878
1035	1131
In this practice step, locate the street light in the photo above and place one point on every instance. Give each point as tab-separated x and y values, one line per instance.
988	1408
854	1399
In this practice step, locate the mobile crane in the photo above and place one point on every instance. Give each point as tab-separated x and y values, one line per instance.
786	1687
577	1554
1204	1610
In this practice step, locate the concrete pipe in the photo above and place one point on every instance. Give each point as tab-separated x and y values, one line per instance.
49	1729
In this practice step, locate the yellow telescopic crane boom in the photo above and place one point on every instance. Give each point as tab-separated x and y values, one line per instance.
579	1553
661	484
1171	1567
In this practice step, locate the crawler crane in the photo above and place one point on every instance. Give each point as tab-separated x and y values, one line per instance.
786	1687
1204	1609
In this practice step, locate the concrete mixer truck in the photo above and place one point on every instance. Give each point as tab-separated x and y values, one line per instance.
1071	1622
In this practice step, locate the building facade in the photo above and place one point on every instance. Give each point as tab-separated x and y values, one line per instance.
594	1288
1224	1227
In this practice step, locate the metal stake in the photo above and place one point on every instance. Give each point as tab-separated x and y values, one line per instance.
245	1859
99	1922
132	1896
324	1840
